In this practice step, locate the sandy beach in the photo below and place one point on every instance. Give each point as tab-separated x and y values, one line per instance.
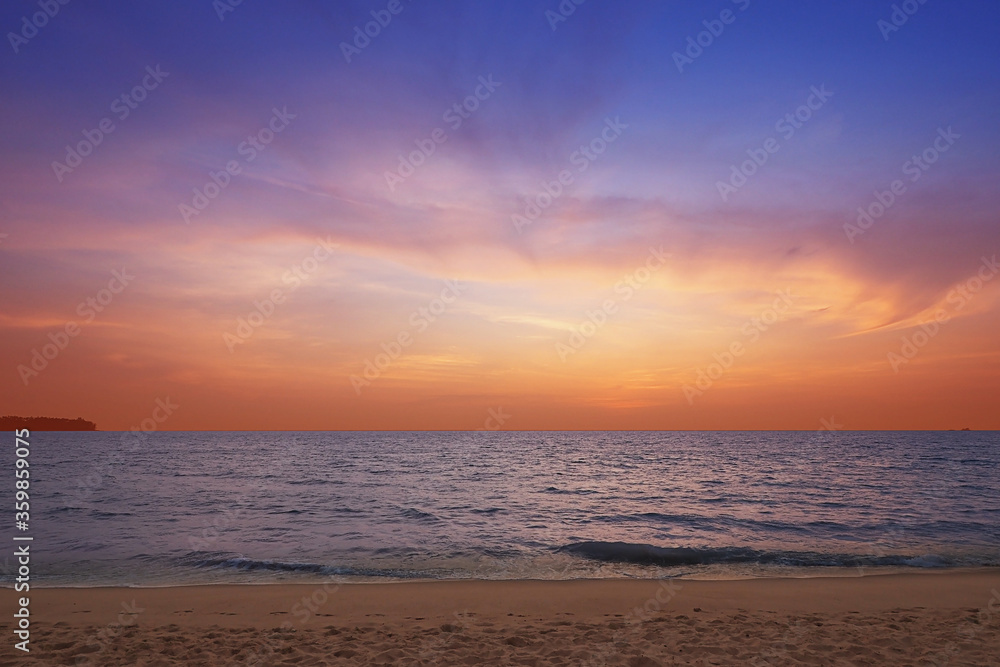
902	619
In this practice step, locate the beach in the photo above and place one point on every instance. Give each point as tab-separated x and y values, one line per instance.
500	333
927	618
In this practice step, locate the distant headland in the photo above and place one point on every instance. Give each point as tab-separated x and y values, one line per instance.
12	423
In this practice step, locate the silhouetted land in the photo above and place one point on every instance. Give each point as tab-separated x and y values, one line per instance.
12	423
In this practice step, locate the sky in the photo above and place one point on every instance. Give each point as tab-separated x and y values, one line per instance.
501	215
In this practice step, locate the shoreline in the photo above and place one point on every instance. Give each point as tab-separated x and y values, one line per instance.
779	574
888	619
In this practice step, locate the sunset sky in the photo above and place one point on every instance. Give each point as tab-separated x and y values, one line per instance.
474	309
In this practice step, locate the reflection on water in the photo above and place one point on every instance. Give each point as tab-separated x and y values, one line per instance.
263	506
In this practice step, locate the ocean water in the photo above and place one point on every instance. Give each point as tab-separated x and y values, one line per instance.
170	508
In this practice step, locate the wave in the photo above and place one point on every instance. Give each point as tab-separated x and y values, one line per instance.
307	482
250	564
419	515
647	554
243	564
568	492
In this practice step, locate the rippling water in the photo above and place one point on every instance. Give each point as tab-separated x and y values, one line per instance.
200	507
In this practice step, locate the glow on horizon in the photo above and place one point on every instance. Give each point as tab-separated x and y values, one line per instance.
525	294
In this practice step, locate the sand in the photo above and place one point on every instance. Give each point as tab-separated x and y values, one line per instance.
948	618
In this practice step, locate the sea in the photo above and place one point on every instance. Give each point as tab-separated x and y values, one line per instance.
176	508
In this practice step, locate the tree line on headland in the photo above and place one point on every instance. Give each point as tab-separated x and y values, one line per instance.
12	423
